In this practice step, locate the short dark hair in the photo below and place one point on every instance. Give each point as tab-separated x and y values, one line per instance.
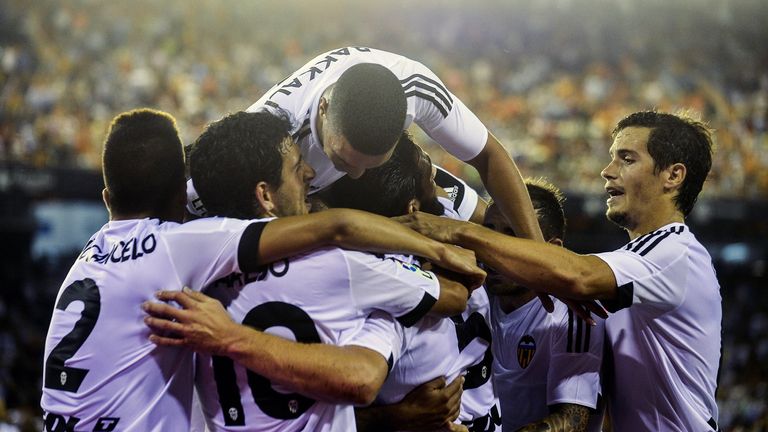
142	161
547	201
368	108
387	189
234	154
676	139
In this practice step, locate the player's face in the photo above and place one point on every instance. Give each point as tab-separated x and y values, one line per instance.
495	281
633	187
291	197
346	158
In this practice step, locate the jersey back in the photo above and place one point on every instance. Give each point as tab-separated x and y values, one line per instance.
101	372
324	296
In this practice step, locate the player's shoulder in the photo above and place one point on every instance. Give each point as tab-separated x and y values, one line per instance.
207	225
662	245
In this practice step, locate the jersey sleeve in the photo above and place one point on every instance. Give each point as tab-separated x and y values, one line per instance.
399	288
381	333
204	250
650	271
576	356
461	200
442	116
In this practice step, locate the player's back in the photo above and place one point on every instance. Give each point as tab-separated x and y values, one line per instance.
323	296
101	371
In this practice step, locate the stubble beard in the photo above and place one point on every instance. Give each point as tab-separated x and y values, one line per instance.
620	219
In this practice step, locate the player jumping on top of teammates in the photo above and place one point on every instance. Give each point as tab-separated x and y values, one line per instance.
350	106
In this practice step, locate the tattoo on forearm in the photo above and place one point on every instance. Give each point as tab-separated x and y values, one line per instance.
566	418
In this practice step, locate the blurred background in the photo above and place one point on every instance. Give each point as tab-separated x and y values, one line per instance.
550	78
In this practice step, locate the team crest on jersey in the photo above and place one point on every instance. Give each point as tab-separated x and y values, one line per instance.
526	348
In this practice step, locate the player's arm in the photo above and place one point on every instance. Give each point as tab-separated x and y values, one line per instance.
562	418
344	375
478	215
430	406
453	296
537	265
353	229
502	178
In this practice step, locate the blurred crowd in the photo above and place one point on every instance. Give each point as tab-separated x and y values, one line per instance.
549	78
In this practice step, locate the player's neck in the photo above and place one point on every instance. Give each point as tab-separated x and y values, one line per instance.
650	226
163	216
510	303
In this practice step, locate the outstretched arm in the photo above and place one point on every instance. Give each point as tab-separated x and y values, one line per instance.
334	374
563	418
536	265
430	406
505	184
354	229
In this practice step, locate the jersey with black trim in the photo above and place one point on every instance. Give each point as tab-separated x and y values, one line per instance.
460	200
100	368
436	110
665	334
436	347
324	296
542	359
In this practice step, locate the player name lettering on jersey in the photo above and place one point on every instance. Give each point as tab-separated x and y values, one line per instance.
239	280
314	70
131	249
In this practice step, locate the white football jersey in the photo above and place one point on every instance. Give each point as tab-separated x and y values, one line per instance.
324	296
665	335
542	359
461	200
436	347
101	371
436	110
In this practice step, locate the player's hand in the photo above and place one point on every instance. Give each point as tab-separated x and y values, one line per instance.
585	308
202	324
438	228
431	406
464	263
455	427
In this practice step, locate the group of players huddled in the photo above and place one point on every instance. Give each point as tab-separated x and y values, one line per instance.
303	266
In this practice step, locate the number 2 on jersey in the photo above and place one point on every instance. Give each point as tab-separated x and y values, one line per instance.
58	376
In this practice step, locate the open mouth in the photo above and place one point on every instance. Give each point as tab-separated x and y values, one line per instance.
614	192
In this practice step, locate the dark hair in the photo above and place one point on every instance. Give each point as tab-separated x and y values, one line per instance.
547	201
368	108
233	155
387	189
676	139
142	161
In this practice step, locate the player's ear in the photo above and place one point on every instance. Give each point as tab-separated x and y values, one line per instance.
105	198
322	108
555	241
413	206
674	176
264	199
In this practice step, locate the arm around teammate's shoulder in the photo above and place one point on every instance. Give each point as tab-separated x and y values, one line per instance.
358	230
